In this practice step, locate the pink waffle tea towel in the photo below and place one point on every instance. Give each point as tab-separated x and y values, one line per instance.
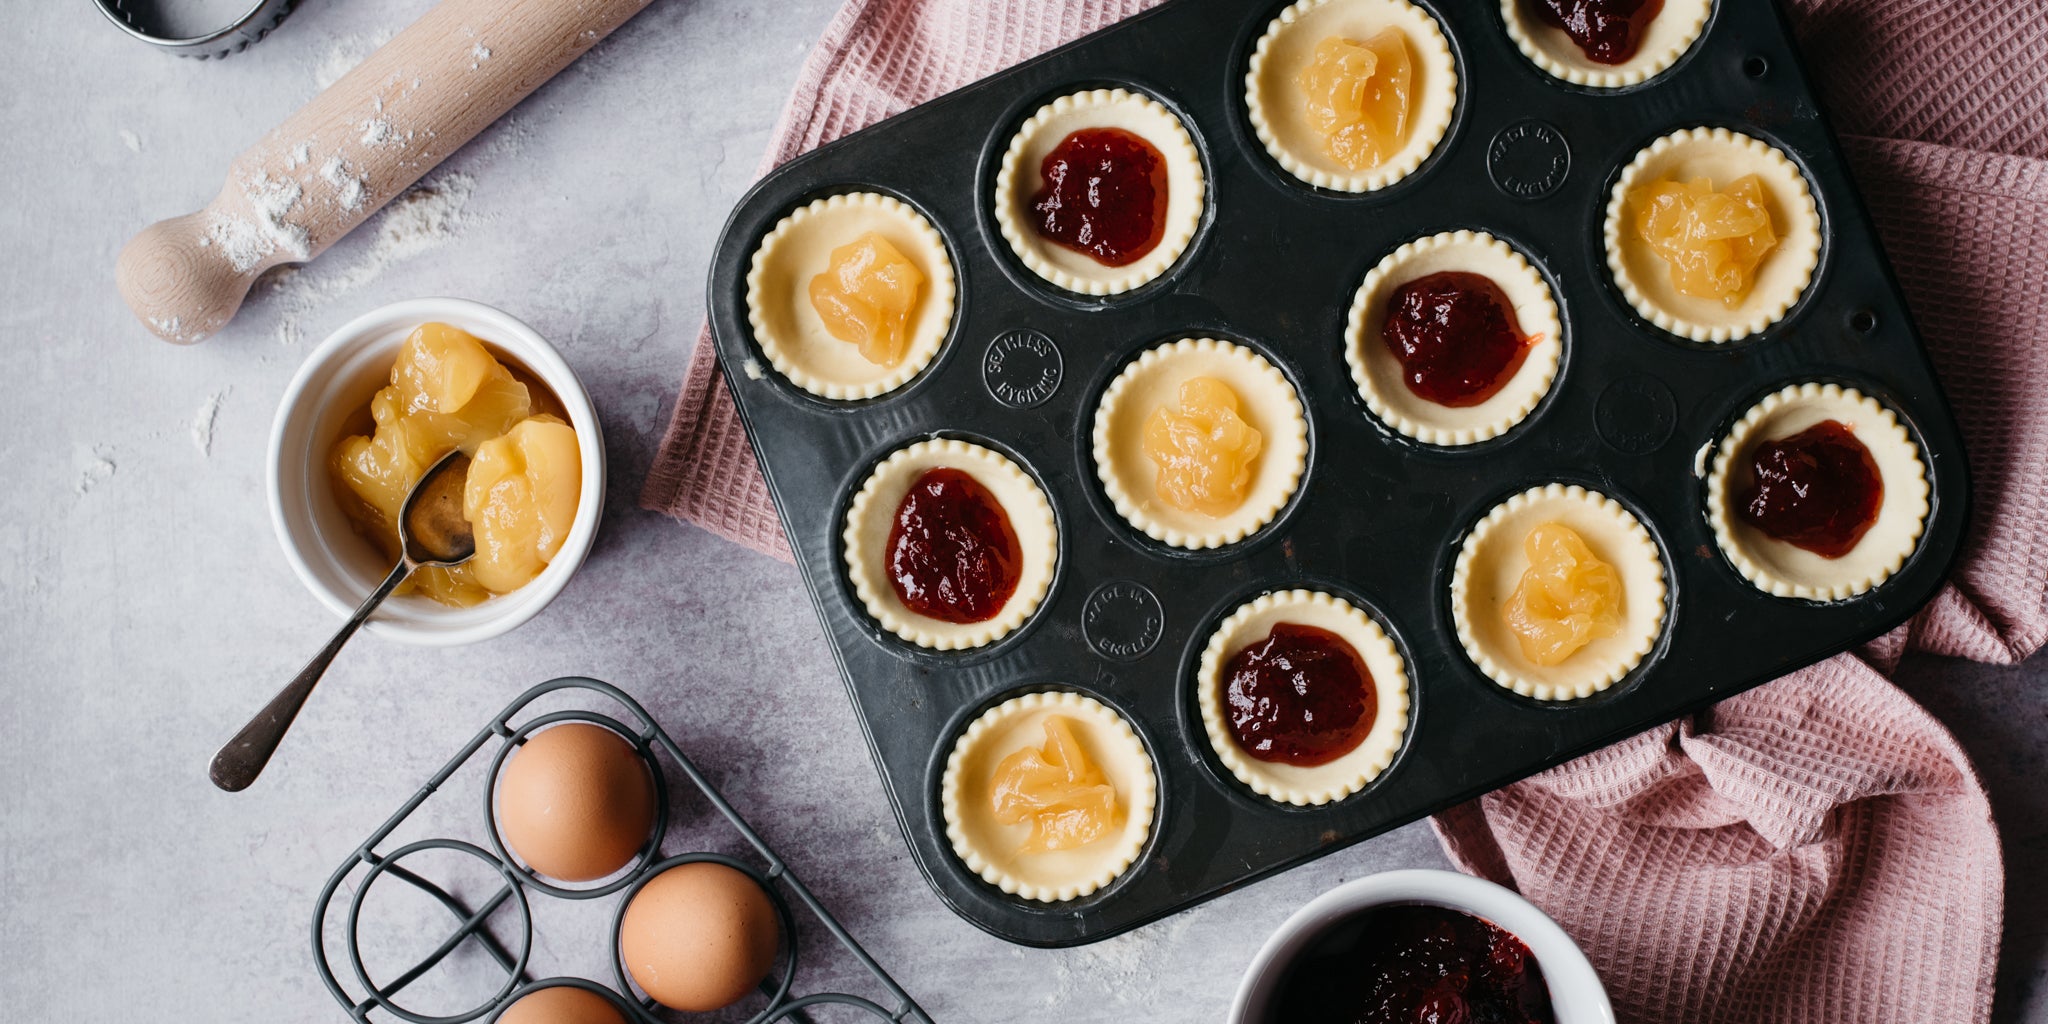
1818	849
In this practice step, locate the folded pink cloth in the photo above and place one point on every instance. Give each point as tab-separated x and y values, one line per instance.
1818	849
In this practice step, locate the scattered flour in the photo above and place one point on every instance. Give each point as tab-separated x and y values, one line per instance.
350	191
171	328
99	468
420	219
376	132
507	137
131	140
1125	969
343	56
202	421
240	241
300	155
245	243
481	52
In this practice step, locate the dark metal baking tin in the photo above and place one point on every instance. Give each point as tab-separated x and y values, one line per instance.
1277	263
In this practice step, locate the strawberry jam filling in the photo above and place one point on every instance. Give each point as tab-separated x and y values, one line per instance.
952	553
1301	696
1818	489
1414	965
1104	196
1456	337
1606	31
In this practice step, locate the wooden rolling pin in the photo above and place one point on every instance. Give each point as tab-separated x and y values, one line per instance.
350	149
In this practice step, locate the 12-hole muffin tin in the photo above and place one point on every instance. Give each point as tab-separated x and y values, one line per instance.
1635	413
779	997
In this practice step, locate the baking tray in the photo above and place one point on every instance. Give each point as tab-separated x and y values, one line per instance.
1378	519
377	860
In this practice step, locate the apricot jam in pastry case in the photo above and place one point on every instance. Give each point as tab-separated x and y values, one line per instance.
1203	448
865	296
1058	790
1711	239
1351	95
1358	95
1378	465
1200	443
1048	796
1712	235
850	296
525	475
1558	592
1567	597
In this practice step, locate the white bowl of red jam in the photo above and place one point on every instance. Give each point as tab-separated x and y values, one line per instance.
382	398
1420	946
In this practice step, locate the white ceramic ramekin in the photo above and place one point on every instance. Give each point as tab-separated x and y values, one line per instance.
335	382
1575	990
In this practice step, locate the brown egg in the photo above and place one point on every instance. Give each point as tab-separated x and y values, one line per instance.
562	1004
699	936
576	802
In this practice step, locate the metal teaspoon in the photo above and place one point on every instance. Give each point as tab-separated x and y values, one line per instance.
431	531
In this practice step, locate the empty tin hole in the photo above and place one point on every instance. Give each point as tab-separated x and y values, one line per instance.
1863	321
1756	66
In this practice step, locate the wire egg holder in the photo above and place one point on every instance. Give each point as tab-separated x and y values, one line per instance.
649	740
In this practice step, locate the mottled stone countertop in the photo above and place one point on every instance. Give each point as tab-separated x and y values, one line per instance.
145	609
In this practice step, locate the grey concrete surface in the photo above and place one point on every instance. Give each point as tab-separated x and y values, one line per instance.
145	610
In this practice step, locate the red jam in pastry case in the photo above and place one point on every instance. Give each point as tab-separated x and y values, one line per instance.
1104	196
1456	337
1606	31
1302	696
953	555
1818	489
1414	965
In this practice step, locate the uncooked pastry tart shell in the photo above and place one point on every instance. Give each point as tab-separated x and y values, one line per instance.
1665	40
1019	178
1273	100
1267	400
873	511
990	849
1717	153
1491	563
1787	570
798	249
1379	375
1313	784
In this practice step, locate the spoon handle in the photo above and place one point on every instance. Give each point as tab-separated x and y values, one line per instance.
237	764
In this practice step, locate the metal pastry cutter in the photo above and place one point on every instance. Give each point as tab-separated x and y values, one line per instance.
143	19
